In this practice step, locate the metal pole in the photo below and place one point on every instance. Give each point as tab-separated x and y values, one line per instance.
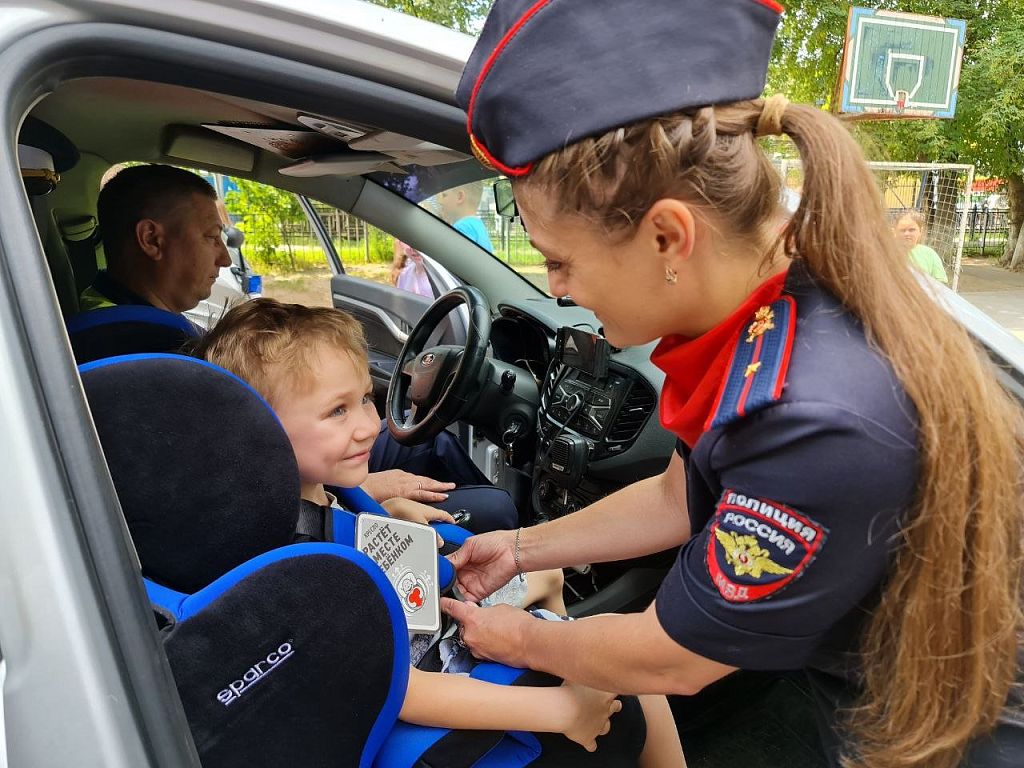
984	229
962	228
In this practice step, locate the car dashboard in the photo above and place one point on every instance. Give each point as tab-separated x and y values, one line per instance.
596	431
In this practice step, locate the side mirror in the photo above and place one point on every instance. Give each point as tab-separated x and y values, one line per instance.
504	200
233	237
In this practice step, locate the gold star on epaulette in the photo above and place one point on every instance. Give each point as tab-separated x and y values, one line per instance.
764	320
752	369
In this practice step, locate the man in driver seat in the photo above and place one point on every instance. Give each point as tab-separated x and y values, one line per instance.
164	244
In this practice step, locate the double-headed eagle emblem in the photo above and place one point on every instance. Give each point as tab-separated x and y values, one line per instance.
745	555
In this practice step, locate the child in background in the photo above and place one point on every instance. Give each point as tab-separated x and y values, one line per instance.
310	364
458	206
408	272
910	229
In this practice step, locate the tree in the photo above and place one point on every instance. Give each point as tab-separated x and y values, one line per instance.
988	130
266	215
463	15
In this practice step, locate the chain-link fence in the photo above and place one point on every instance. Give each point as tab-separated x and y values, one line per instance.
939	193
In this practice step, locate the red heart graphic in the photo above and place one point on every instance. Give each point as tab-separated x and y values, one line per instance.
416	597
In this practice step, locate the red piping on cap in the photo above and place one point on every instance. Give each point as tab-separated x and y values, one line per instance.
772	4
477	144
489	160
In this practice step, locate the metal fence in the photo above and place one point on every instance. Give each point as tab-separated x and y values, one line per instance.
987	230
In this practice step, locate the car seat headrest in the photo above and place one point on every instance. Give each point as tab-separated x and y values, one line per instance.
127	329
203	469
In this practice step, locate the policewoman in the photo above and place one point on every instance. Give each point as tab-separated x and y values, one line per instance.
846	489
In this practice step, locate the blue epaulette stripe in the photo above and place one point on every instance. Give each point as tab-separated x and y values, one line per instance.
743	394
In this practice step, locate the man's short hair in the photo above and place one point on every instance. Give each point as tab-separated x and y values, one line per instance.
274	346
143	192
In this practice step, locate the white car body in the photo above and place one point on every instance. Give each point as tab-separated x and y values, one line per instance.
67	698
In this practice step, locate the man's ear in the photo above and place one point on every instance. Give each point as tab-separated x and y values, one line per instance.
149	237
669	227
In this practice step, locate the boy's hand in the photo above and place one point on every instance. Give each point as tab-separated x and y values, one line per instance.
414	512
589	715
397	483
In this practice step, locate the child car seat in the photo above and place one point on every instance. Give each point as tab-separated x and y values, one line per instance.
283	654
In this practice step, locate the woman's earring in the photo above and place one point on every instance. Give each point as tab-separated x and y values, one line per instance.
671	277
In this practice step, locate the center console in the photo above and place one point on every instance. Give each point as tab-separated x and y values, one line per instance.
591	410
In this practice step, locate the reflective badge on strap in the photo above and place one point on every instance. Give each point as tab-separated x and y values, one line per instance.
757	546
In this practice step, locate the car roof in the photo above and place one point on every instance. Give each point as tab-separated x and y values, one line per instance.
352	36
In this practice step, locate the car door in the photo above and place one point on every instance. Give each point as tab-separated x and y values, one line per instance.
388	313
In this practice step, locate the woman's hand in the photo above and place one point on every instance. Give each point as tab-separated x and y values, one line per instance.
484	563
397	483
414	512
589	714
494	633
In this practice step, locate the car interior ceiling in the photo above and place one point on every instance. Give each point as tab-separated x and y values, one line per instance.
112	120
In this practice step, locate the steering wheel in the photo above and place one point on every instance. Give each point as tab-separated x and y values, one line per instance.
442	379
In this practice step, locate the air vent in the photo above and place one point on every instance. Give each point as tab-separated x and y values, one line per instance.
633	414
551	380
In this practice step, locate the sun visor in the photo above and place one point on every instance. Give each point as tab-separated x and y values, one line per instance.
347	164
206	148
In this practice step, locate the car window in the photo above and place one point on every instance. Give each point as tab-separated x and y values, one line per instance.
282	246
461	198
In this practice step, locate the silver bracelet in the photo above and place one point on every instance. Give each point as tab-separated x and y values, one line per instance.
515	554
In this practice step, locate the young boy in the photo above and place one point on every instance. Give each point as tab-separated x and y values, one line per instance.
310	365
458	206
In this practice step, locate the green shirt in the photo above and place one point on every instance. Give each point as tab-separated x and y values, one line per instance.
928	261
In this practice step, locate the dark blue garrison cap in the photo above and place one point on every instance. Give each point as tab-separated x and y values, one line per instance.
547	73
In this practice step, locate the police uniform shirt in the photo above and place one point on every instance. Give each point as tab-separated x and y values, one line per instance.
795	503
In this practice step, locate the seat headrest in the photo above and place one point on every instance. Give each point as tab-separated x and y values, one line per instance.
203	469
127	329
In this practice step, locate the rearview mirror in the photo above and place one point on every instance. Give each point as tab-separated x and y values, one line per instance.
504	200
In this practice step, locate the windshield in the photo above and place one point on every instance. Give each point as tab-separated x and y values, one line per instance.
462	195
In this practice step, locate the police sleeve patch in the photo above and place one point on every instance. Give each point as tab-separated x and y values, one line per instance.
757	546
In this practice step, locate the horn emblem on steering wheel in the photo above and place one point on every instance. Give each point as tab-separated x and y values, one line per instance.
428	359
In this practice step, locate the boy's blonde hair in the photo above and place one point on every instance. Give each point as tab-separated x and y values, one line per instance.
274	346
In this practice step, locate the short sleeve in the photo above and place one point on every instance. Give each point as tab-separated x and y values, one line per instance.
809	502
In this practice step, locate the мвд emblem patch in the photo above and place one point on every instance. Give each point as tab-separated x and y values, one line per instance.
756	546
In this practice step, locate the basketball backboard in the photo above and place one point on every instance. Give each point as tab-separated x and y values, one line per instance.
899	65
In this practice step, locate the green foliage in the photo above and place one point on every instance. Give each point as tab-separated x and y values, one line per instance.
382	246
808	53
988	130
463	15
267	216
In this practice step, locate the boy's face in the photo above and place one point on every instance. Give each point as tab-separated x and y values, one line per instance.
332	423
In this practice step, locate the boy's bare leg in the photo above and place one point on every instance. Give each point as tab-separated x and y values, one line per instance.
544	588
662	748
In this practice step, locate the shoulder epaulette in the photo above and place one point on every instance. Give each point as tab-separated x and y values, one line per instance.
760	359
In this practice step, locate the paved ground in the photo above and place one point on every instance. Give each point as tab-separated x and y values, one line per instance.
995	291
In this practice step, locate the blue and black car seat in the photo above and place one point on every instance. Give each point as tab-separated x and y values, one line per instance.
284	654
127	329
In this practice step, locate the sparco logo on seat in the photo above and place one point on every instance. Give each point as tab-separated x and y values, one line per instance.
256	673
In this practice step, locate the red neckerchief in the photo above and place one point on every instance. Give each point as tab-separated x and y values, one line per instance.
694	367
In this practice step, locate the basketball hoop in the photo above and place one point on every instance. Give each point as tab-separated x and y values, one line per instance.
901	97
